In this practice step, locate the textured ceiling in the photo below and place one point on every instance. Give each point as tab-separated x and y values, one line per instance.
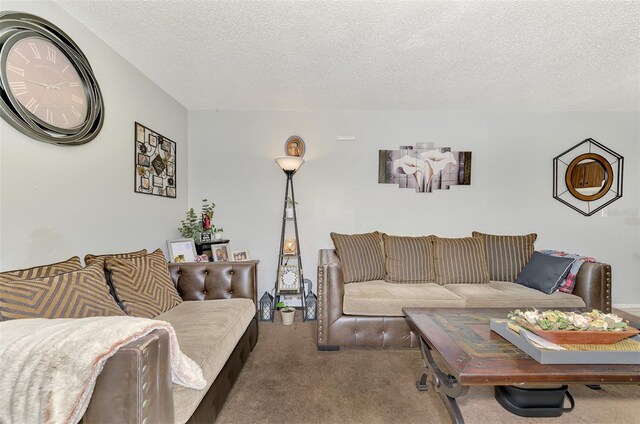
524	55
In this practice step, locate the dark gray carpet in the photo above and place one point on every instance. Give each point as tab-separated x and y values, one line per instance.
287	380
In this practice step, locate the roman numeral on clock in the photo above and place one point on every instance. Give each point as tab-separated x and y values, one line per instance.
51	54
34	49
74	84
75	112
18	86
32	105
15	69
49	117
77	99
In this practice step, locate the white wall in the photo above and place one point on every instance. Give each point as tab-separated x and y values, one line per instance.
231	162
56	201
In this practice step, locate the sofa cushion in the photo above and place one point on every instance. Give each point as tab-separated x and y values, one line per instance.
408	259
90	259
545	273
50	270
77	294
507	255
460	260
143	284
207	331
379	298
361	255
504	294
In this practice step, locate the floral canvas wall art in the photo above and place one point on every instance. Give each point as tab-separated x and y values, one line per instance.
424	167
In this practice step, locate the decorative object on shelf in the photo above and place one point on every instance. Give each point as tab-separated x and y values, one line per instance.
287	312
290	247
294	146
220	252
201	229
290	279
47	88
289	208
182	250
217	233
240	255
311	302
588	177
266	307
424	167
155	163
202	258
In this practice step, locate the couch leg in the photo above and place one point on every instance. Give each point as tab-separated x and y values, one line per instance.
328	348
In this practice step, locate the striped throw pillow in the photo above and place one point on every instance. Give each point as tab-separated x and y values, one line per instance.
507	255
460	260
77	294
143	284
71	264
90	259
361	256
409	260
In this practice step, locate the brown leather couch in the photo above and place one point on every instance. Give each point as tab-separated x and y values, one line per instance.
135	384
336	329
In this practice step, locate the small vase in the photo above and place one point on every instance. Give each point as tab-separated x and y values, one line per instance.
287	317
217	235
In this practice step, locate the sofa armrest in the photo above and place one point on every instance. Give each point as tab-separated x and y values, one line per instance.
135	384
216	280
330	292
593	285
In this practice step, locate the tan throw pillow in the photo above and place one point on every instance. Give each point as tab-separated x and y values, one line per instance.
78	294
460	260
361	255
90	259
143	284
507	255
409	260
71	264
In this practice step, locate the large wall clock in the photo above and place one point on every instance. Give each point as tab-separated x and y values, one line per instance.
47	88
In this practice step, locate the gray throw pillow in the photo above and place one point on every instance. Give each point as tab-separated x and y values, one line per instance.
544	273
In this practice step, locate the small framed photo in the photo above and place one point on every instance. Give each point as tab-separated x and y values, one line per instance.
182	250
220	252
240	255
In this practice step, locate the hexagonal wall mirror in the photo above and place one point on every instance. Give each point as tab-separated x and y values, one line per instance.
587	177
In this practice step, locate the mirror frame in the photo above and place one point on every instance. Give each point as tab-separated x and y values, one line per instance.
608	170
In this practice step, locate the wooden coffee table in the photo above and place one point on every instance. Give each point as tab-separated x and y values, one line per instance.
473	355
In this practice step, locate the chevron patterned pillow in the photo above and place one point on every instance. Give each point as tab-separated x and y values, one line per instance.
143	284
90	259
71	264
77	294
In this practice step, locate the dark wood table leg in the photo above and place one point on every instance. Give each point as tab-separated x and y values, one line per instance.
445	385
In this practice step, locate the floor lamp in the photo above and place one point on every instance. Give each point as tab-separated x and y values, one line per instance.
290	165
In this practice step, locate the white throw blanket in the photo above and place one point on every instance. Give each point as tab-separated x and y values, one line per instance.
49	367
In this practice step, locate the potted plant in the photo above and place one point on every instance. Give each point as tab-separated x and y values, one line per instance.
287	312
217	233
289	209
199	229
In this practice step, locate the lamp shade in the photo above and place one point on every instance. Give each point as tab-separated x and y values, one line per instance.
289	163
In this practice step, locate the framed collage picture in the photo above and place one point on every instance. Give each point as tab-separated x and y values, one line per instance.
155	163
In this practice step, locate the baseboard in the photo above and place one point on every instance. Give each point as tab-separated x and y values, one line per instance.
627	306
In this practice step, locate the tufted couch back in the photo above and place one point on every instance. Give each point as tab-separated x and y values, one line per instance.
215	280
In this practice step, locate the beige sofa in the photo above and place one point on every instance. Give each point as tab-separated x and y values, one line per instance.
369	313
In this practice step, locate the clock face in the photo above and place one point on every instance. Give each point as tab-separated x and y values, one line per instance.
289	279
42	78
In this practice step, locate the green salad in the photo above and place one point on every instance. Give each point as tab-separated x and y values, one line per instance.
568	321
